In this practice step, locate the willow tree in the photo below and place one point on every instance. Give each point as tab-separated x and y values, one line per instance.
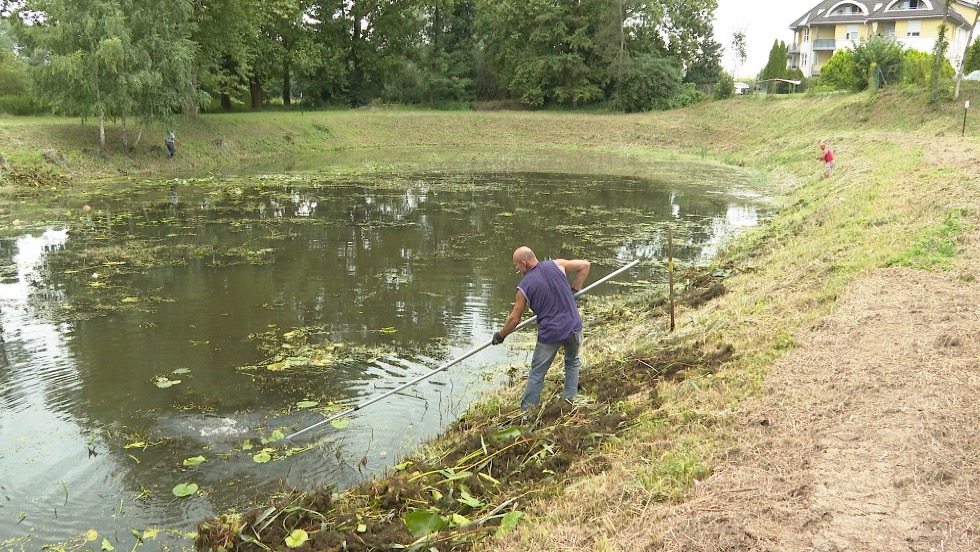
109	59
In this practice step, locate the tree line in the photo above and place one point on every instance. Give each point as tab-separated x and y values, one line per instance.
131	59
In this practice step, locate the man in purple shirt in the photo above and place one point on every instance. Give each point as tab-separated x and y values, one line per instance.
546	290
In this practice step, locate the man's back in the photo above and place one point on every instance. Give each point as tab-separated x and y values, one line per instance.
548	294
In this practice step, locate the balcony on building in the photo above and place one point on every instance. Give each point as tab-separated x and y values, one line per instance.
824	44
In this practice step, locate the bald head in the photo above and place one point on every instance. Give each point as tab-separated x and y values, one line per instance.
524	259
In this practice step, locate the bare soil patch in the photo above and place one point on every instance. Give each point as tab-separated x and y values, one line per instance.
866	438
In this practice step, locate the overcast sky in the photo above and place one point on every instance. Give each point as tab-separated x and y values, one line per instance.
763	21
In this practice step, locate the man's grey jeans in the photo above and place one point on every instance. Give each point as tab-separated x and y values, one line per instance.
544	355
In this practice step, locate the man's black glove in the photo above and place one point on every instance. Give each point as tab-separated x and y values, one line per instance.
497	339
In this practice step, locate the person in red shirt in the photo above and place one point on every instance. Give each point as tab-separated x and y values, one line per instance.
828	160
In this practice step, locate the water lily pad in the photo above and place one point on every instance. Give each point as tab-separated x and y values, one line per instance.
164	382
91	535
509	433
182	371
296	538
194	461
107	546
458	521
262	457
307	404
342	423
424	522
509	522
276	435
130	300
278	366
184	489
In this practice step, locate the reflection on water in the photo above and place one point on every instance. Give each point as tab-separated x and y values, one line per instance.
137	338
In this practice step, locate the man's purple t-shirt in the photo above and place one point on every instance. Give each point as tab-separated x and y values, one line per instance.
548	294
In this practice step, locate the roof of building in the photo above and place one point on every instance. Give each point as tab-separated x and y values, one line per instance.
876	10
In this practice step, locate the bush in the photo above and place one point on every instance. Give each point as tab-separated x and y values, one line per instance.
688	94
725	87
918	68
879	60
21	104
651	83
840	72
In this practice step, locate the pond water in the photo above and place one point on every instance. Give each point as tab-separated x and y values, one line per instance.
185	320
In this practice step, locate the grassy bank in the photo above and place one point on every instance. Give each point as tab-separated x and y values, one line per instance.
662	405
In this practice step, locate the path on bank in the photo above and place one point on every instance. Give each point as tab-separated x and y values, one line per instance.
866	438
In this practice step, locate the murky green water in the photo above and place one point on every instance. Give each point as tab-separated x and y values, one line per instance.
195	319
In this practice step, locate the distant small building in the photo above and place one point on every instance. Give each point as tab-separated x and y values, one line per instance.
742	88
832	25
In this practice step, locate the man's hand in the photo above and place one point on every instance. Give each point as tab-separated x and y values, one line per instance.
497	339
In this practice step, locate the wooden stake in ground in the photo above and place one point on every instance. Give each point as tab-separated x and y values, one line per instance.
670	273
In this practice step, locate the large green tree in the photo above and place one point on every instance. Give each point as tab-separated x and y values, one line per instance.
224	32
705	69
284	40
447	51
364	44
575	52
776	65
110	58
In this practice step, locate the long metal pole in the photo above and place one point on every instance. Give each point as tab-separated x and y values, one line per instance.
456	360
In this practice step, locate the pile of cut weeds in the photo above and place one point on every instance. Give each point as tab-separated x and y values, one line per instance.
474	480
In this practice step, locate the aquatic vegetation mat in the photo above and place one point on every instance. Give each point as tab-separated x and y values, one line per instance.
479	477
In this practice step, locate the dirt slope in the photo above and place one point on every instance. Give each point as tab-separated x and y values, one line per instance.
867	438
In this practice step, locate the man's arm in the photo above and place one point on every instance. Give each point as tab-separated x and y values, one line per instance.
579	266
513	319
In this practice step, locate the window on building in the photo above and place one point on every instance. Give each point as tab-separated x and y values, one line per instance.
910	5
847	9
914	28
803	60
853	33
806	34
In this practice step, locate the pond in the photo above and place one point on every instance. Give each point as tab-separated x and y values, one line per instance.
163	339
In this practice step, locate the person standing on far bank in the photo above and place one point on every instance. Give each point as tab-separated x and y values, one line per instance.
172	144
828	160
546	289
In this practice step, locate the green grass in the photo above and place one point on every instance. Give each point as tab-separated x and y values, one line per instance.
937	245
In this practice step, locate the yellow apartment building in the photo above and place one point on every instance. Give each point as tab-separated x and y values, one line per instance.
834	24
